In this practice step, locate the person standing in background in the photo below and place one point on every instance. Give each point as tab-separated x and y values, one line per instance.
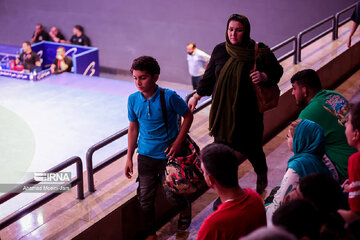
197	62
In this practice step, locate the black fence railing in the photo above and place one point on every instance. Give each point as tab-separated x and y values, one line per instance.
90	153
42	200
337	18
293	52
321	23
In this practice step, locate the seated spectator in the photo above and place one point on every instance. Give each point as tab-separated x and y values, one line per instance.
40	34
241	210
299	217
353	183
56	35
79	38
28	58
326	194
62	63
320	189
330	110
306	139
269	233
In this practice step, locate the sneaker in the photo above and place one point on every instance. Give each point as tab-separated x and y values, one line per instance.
261	183
185	218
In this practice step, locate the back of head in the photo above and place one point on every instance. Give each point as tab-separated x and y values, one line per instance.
307	78
220	161
355	111
269	233
299	217
322	190
146	63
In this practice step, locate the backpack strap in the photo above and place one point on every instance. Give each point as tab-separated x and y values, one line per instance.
163	108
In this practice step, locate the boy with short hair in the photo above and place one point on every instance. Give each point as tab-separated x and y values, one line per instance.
241	210
147	128
352	133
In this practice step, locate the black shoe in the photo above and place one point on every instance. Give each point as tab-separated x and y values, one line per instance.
261	183
271	196
216	204
185	219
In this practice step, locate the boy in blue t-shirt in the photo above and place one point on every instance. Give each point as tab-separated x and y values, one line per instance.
147	128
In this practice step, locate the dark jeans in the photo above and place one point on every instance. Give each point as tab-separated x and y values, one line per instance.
151	175
195	81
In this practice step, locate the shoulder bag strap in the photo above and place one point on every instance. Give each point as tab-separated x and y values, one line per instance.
163	108
256	52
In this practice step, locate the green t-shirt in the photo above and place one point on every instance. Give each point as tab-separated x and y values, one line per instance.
330	110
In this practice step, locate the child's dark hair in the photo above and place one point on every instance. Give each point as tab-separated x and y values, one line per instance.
323	191
355	111
299	217
146	63
220	161
307	78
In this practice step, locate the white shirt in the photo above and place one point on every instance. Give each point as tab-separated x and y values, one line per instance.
197	62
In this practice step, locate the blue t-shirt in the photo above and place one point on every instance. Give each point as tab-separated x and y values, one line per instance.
153	139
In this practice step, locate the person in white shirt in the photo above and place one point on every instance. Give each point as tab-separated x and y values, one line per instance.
197	62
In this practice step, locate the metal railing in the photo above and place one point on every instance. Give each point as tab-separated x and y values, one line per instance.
41	201
201	106
293	52
337	18
300	35
90	152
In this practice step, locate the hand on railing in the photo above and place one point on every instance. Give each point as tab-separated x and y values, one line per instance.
193	101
